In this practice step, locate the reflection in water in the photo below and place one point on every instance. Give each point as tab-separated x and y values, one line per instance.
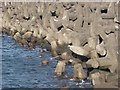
22	68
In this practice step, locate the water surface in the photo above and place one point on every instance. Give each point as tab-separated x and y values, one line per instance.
22	67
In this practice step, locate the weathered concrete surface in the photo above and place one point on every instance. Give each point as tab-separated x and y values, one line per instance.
83	29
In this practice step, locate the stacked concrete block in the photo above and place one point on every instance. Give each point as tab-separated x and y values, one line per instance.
87	29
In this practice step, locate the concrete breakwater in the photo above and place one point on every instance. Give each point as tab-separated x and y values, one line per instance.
82	34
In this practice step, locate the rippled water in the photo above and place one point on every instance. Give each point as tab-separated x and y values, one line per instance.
22	68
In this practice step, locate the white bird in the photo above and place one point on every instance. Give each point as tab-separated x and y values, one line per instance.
78	50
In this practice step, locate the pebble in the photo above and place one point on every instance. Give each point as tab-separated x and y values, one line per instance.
43	50
45	62
65	88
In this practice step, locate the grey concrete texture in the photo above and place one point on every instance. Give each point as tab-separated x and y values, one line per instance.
86	29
